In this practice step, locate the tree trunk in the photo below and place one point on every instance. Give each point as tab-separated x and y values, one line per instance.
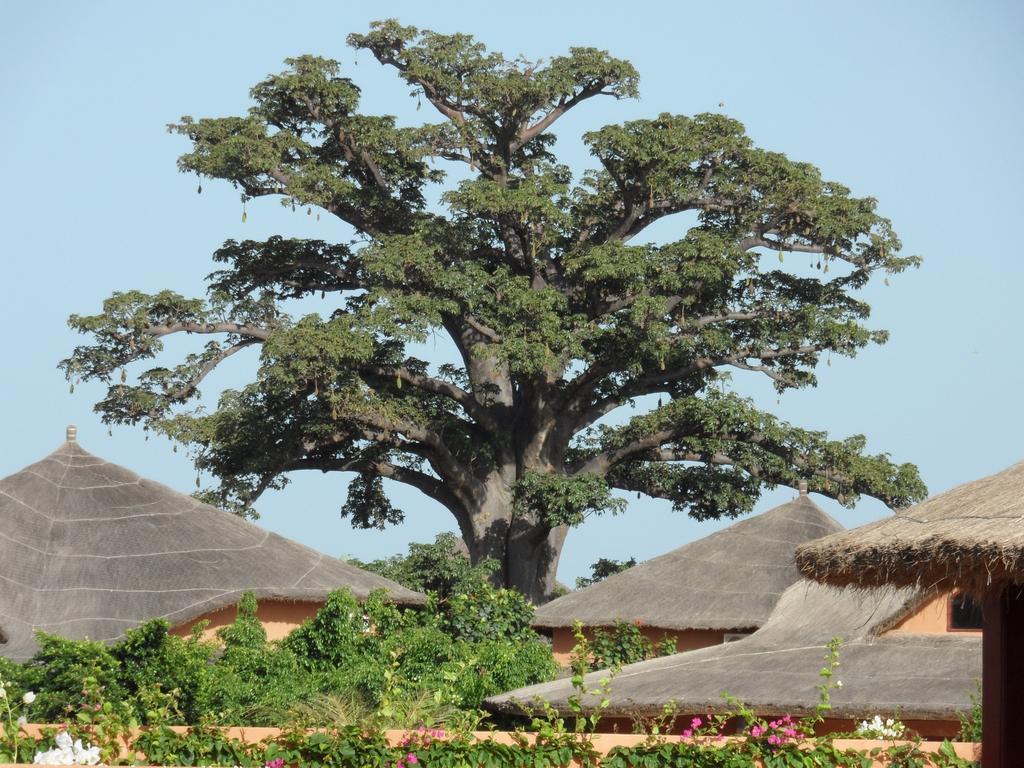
526	550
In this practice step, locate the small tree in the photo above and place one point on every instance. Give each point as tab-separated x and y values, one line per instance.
559	310
602	569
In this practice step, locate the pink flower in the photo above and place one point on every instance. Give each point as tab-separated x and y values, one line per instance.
696	722
757	731
687	734
774	740
411	758
277	762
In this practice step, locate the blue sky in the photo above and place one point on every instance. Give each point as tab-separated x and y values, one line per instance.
918	104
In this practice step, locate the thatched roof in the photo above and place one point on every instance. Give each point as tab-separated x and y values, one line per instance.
970	537
90	549
729	580
775	670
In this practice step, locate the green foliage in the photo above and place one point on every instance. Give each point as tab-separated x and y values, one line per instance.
560	307
379	663
625	643
489	614
441	567
560	500
971	721
602	569
556	740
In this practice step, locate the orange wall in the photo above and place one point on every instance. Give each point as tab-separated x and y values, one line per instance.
563	640
278	617
603	743
930	619
926	729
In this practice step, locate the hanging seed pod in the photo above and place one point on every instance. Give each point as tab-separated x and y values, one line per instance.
199	189
309	211
110	433
398	382
124	376
71	388
323	294
197	481
244	215
886	281
659	402
819	263
174	448
638	494
661	363
318	217
781	257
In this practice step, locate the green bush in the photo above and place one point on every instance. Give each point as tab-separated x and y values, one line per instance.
625	644
370	657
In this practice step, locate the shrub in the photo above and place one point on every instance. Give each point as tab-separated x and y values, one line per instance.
368	657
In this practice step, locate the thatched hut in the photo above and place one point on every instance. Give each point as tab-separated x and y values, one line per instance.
715	588
970	538
90	549
925	679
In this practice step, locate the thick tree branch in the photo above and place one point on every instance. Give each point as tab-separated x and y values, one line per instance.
528	133
465	400
429	486
239	329
653	383
444	462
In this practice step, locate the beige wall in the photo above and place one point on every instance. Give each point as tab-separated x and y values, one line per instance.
563	640
931	618
278	617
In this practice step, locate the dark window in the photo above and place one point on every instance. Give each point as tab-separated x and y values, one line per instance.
964	613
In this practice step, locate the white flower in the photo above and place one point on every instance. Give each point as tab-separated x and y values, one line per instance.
29	697
68	752
839	683
22	720
3	693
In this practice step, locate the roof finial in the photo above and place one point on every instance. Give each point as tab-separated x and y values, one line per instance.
72	433
802	487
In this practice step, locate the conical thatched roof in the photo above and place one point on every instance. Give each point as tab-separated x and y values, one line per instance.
729	580
775	670
969	537
90	549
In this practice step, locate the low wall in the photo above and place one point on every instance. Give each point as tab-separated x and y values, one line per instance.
602	742
278	617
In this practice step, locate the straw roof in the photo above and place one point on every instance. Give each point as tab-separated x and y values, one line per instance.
729	580
90	549
775	670
970	537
